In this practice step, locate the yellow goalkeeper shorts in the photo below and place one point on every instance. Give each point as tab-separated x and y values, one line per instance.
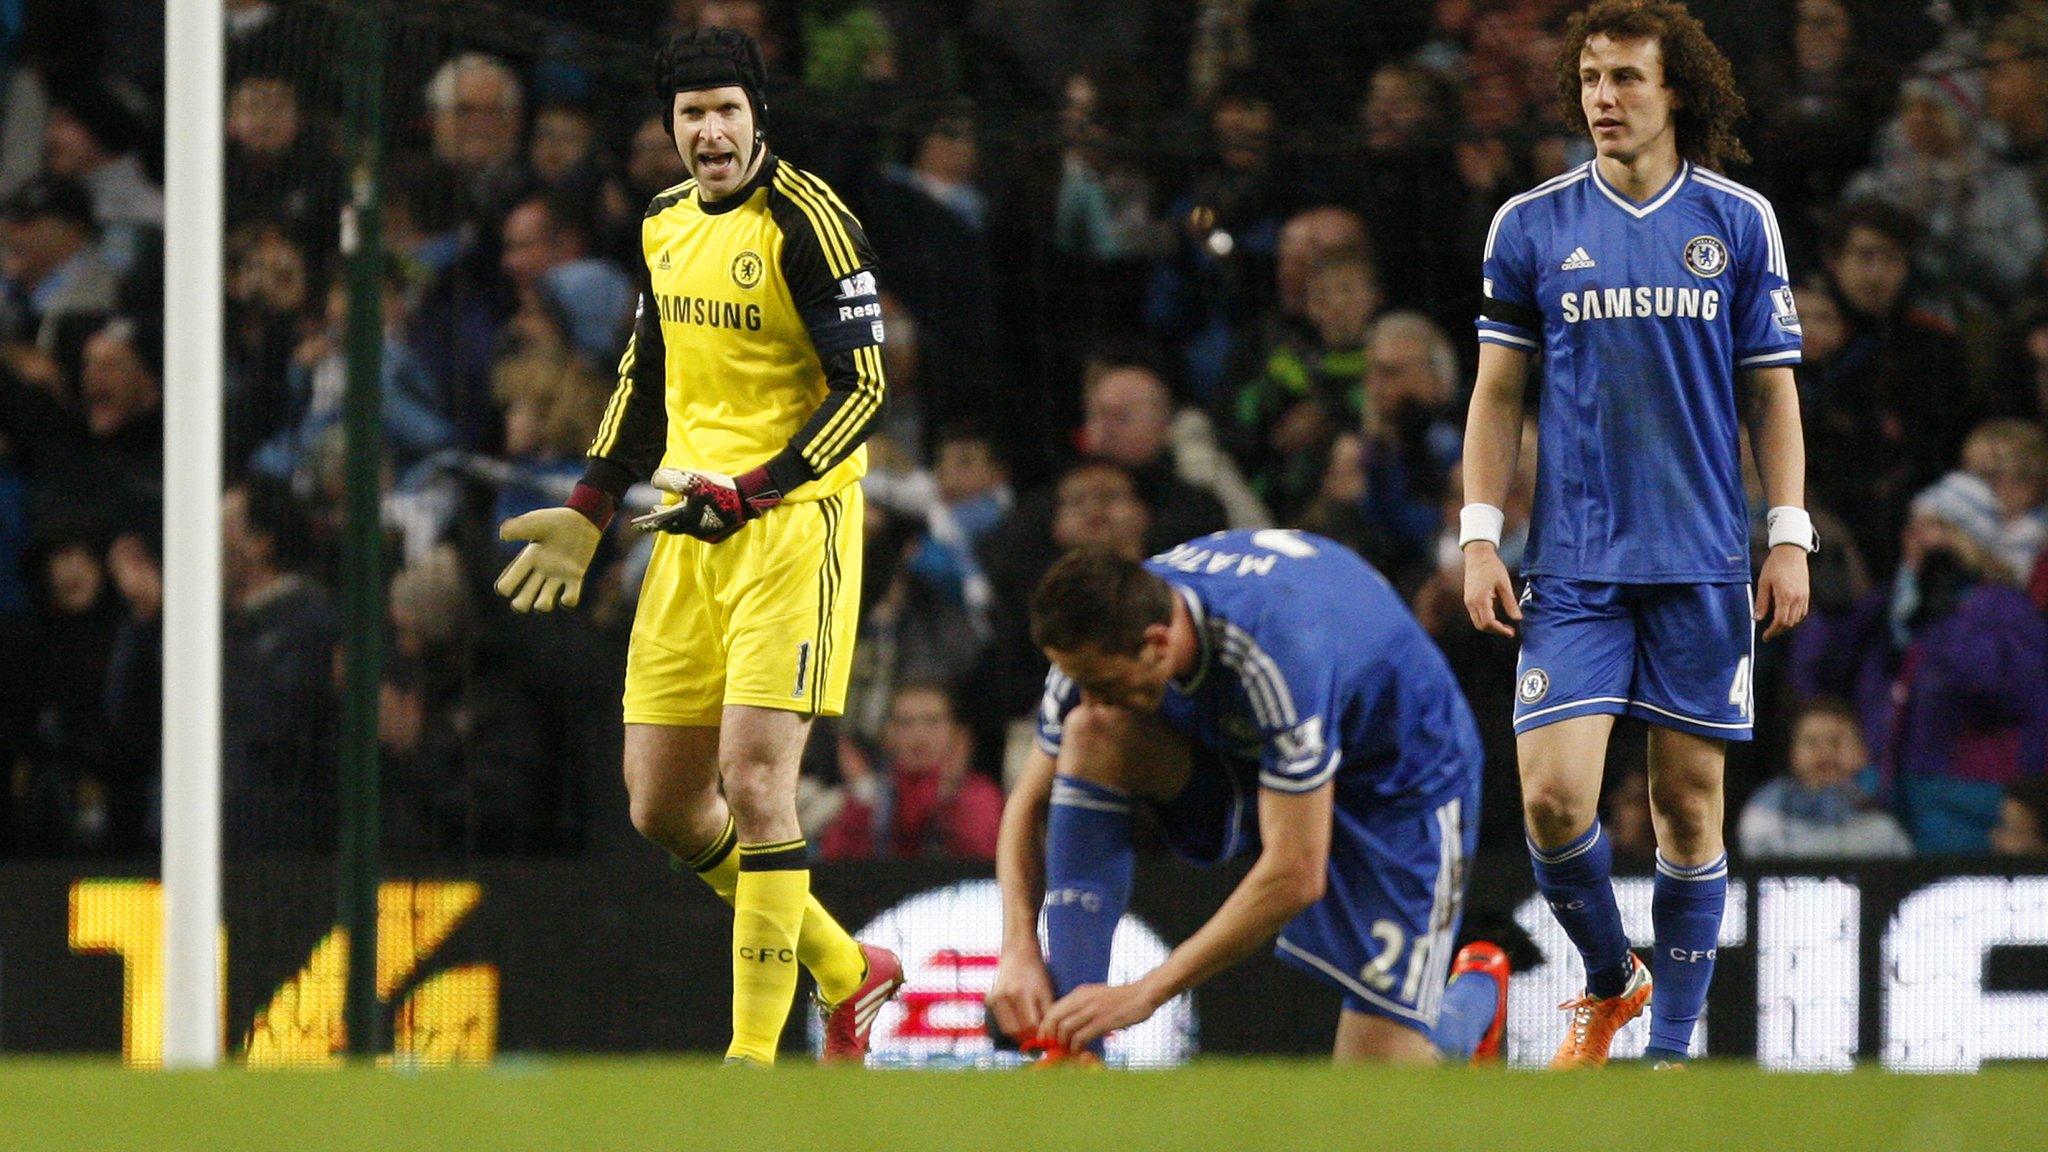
766	617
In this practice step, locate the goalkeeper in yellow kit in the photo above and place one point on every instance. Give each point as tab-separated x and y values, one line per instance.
752	378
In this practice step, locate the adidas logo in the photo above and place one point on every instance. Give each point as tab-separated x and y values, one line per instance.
662	263
1577	260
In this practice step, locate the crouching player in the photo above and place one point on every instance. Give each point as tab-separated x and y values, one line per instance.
1262	692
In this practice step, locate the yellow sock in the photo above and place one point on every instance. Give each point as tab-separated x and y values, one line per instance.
824	948
768	915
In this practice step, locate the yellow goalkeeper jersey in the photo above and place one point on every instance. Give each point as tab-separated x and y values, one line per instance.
758	340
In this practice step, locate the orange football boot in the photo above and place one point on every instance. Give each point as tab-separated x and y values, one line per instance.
1595	1020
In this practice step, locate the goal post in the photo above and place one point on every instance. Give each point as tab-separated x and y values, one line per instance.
194	354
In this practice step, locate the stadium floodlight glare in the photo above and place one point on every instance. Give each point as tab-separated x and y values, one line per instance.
193	361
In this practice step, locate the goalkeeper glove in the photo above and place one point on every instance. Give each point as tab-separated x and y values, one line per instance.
549	570
713	506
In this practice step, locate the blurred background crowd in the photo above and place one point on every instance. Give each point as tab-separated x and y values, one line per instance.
1152	268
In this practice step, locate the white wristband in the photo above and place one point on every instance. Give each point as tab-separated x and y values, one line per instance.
1480	522
1789	525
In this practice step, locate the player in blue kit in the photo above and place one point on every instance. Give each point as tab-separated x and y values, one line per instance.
1264	692
1654	289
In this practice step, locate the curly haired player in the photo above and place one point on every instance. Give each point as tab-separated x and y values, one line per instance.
1655	291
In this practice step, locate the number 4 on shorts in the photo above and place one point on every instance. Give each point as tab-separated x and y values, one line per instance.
1738	691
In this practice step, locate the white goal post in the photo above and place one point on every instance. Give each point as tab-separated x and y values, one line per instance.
194	52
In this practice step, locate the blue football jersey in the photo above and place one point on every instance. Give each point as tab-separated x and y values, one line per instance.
1642	314
1311	670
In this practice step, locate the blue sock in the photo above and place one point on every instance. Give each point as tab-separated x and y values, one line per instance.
1685	906
1468	1008
1576	879
1088	865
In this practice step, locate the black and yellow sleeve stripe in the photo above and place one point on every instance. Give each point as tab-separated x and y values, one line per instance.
830	270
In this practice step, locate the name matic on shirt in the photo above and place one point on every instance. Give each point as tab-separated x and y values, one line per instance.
1640	301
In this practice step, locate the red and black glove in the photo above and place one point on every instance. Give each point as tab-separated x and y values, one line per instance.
713	506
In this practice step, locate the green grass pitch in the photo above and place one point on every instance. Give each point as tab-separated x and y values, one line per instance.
659	1104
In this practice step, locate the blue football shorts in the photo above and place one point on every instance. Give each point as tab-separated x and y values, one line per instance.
1387	924
1676	655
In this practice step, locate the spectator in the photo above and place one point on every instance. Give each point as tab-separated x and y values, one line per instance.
2023	820
100	453
268	30
269	287
2010	457
937	605
1103	210
563	150
277	165
91	136
414	411
1281	423
552	403
1625	813
134	700
902	423
1412	429
931	218
1094	502
121	391
60	783
1404	178
1129	422
547	256
2016	92
1305	241
1817	119
1098	506
1884	410
1032	46
968	499
277	768
478	108
1209	294
1493	149
1384	486
1948	671
423	222
2023	383
57	284
1983	231
923	798
462	750
652	167
1823	806
455	315
845	53
24	104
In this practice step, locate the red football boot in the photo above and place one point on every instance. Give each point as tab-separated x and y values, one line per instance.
847	1022
1480	956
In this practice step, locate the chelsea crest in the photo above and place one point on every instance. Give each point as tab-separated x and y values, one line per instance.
1706	256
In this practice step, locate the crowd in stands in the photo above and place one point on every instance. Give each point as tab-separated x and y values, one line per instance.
1152	268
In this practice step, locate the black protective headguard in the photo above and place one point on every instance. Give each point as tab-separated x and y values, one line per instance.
710	58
